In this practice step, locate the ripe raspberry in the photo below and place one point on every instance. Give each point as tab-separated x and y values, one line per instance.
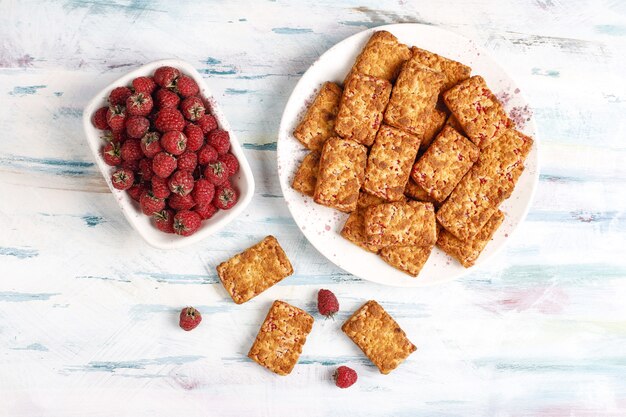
203	192
100	118
116	137
144	85
137	126
160	189
163	164
207	123
139	104
225	197
180	202
136	190
181	182
116	117
216	172
169	119
205	211
166	76
195	137
189	318
327	303
131	165
186	222
150	204
131	150
118	96
145	169
166	99
207	154
187	161
150	144
192	108
122	178
111	154
231	162
345	377
174	142
164	221
220	140
186	86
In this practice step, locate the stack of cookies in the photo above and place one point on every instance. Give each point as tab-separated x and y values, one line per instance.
418	151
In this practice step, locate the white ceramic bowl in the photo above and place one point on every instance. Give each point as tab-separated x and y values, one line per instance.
243	181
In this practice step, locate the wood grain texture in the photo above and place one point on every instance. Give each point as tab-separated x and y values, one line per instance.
88	312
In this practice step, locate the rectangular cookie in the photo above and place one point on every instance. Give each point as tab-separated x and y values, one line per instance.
361	108
436	120
489	182
353	230
254	270
381	57
413	98
452	122
389	163
401	223
366	200
478	110
378	335
409	259
340	175
414	191
466	252
279	343
318	123
306	175
454	72
443	165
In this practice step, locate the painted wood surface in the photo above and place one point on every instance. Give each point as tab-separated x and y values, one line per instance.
88	311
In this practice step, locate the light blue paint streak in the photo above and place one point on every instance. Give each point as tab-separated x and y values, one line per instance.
209	71
118	279
48	165
27	90
291	31
93	221
234	91
545	73
19	297
112	366
68	112
601	366
180	278
367	24
58	93
19	253
260	147
33	346
613	30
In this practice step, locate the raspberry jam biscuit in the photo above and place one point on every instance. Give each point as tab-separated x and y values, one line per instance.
435	122
279	343
306	175
443	165
378	335
415	192
340	175
361	109
454	72
319	122
389	163
401	223
478	110
381	57
409	259
251	272
354	231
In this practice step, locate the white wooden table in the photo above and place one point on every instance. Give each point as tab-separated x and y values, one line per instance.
88	311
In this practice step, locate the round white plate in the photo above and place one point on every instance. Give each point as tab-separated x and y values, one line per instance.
321	225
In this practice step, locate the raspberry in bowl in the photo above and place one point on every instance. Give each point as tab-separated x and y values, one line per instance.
154	134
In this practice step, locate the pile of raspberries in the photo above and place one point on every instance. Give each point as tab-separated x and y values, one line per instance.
167	150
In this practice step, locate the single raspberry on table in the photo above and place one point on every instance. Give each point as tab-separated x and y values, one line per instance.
139	104
136	190
327	303
163	164
186	86
169	119
225	197
203	192
180	202
116	117
164	220
181	182
166	99
187	161
192	108
207	123
345	377
174	142
144	85
160	188
216	172
231	162
137	126
122	178
150	204
151	144
207	154
205	211
119	95
131	150
99	119
111	154
220	140
166	76
189	318
145	169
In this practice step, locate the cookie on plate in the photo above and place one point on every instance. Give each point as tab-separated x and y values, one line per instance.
401	223
453	71
436	120
381	57
306	175
414	191
254	270
354	231
409	259
279	343
318	123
